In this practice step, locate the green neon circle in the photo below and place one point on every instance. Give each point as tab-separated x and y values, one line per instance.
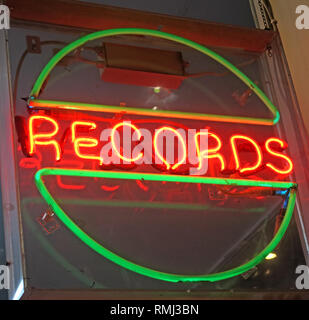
135	31
70	224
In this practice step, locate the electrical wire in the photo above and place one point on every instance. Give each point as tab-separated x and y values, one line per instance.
76	54
19	66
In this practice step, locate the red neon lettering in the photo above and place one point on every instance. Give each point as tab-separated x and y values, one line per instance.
139	135
273	146
157	151
210	153
279	155
236	156
84	142
43	139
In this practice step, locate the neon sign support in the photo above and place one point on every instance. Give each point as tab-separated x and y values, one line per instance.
34	102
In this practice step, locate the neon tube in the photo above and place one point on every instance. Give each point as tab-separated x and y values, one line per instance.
236	155
34	103
86	143
278	155
170	178
209	153
65	105
34	138
83	142
89	124
180	139
139	135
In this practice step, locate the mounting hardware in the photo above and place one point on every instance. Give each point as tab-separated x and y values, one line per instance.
33	44
48	222
249	273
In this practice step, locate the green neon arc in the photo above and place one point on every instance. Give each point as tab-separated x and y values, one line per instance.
34	102
170	178
65	105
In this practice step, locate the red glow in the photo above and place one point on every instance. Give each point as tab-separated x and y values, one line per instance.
34	139
122	124
69	186
209	153
278	155
180	139
84	142
89	124
236	156
109	188
142	186
44	131
29	163
76	164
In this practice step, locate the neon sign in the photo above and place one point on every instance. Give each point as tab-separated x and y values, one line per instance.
83	146
267	156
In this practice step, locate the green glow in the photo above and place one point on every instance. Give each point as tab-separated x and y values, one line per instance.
156	89
170	178
134	31
66	105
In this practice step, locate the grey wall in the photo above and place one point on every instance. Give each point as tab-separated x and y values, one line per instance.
236	12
